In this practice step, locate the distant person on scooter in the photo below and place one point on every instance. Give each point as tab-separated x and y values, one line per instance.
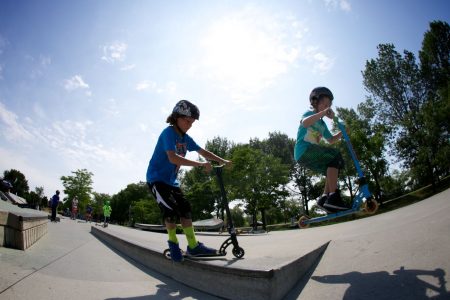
106	213
321	159
168	157
74	208
54	202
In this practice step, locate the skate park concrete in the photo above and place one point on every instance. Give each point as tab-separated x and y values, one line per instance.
402	254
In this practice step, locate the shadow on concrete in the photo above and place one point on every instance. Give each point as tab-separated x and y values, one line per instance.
164	292
169	289
403	284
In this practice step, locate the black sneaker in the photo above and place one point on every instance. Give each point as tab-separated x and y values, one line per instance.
322	201
334	202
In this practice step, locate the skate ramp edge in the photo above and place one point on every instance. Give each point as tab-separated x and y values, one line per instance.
225	282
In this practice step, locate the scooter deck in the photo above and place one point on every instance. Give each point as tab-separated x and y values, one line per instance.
193	257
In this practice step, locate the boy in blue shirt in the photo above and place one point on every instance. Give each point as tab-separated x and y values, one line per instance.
318	158
168	157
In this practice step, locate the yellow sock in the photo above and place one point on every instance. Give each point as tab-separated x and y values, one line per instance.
190	236
173	235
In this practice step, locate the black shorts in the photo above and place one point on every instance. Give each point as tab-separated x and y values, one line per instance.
171	201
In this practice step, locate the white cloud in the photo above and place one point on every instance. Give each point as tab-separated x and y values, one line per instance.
35	176
76	82
343	5
39	111
10	126
114	52
167	88
3	43
111	108
73	141
246	52
322	63
45	60
145	85
128	67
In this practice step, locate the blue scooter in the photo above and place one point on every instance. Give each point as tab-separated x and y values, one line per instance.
369	206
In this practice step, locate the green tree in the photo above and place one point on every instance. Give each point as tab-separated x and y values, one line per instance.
202	189
18	181
368	139
33	199
237	215
203	193
78	185
278	145
219	146
435	69
258	179
399	93
303	180
146	212
123	202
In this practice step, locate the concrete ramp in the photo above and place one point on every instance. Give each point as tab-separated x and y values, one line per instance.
216	276
402	254
21	227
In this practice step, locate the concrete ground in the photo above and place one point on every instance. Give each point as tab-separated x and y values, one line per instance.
69	263
402	254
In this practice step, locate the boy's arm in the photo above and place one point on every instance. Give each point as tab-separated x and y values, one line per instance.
181	161
211	156
335	138
310	120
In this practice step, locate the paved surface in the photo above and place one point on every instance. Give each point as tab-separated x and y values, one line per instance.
403	254
70	263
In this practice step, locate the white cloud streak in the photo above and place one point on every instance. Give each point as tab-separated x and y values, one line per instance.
11	128
71	140
322	63
246	52
74	83
343	5
114	52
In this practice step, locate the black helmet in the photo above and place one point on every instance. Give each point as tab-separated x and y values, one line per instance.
186	108
57	192
320	91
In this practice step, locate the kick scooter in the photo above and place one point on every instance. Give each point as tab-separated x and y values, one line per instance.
369	206
237	251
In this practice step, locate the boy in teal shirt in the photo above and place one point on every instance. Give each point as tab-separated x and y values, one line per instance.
318	158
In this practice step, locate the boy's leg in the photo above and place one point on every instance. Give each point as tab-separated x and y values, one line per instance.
189	232
331	181
163	195
334	201
172	232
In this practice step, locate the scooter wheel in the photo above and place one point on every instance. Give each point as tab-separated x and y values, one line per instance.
370	206
301	222
238	252
166	253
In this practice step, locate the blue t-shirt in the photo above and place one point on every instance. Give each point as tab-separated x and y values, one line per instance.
310	135
55	200
160	169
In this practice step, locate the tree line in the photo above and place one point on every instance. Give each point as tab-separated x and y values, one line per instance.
404	118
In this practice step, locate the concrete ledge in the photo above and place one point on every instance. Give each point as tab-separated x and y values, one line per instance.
225	282
21	228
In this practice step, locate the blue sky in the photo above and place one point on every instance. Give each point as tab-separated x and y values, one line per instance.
89	84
